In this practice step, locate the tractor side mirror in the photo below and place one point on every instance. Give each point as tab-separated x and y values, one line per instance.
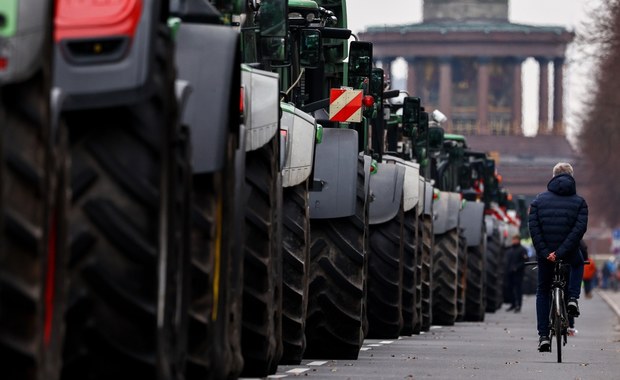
310	48
411	116
360	60
376	85
465	177
273	28
435	137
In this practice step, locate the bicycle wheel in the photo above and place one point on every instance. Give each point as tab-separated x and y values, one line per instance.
557	320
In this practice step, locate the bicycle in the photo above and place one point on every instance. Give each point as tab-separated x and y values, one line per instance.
558	316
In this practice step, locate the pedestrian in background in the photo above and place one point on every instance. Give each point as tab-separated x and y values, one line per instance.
589	271
516	256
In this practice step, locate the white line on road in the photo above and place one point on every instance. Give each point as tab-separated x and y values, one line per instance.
276	376
375	345
365	348
386	341
316	363
297	371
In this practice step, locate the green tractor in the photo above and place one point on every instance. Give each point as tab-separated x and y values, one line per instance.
32	202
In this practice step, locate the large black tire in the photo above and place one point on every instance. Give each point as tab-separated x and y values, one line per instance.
427	280
385	278
410	257
125	232
296	265
262	274
32	236
445	278
494	273
419	247
530	281
462	278
335	305
476	276
210	341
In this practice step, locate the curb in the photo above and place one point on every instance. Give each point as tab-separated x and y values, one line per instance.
609	302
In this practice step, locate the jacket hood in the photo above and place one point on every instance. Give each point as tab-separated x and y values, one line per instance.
562	184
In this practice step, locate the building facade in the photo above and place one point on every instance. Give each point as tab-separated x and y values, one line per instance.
465	59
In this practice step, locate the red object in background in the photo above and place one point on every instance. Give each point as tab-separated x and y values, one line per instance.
96	18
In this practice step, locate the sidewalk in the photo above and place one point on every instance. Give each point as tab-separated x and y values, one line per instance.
612	298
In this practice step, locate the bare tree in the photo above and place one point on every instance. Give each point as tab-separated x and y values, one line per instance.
600	132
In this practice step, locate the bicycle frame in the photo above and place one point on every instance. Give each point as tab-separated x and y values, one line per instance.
558	316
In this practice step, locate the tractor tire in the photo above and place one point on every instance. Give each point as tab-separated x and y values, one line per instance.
126	235
462	278
530	281
419	247
295	268
385	278
445	275
427	280
336	294
210	341
410	257
494	273
476	278
262	303
32	232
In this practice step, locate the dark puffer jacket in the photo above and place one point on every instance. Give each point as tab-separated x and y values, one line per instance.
558	220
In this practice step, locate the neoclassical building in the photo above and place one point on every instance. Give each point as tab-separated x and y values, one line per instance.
465	59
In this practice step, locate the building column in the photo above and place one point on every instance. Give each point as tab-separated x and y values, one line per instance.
412	79
517	97
543	96
558	96
483	96
445	89
386	65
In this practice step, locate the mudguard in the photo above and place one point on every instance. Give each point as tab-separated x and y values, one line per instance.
207	112
429	209
471	218
262	107
335	168
386	187
104	51
367	164
411	189
298	149
421	202
447	207
24	24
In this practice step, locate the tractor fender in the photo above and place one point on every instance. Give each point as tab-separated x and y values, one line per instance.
262	107
335	173
299	133
386	187
411	189
367	165
471	218
429	209
24	24
421	192
447	206
105	80
57	99
182	90
209	114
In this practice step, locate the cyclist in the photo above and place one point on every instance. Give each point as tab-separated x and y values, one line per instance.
557	221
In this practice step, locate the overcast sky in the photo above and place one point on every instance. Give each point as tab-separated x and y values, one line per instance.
568	13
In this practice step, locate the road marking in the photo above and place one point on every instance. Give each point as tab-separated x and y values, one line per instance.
297	371
365	348
435	327
276	376
386	341
316	363
375	345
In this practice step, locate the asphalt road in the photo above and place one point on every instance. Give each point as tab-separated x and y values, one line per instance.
504	346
